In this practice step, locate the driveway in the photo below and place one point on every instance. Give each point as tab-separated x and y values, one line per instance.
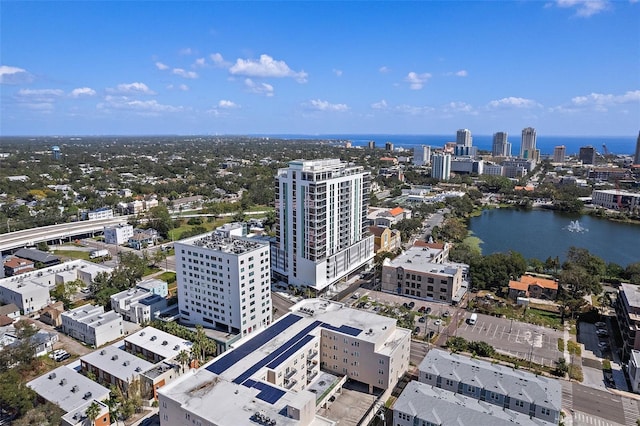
65	342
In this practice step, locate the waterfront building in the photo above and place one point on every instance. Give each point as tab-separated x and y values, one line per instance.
321	222
441	166
587	154
529	286
615	199
501	146
559	154
528	148
422	155
224	283
283	374
372	145
464	138
511	389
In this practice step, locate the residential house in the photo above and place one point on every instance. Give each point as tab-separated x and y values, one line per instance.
52	314
143	239
138	305
11	310
39	257
15	266
385	239
534	287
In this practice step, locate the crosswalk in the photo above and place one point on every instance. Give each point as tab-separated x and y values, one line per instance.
631	411
584	419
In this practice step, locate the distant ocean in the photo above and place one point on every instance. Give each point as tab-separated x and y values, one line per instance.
615	145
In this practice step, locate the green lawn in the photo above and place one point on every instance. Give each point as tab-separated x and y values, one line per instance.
169	277
73	254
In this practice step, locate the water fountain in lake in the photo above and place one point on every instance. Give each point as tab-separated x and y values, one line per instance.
574	226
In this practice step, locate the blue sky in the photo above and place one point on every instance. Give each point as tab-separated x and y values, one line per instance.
565	67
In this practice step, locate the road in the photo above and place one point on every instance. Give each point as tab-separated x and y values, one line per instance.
589	406
418	352
280	305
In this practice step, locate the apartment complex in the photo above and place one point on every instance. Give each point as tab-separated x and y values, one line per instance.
421	272
528	148
441	166
224	283
628	313
321	229
559	154
137	305
501	146
276	374
464	138
511	389
92	325
422	155
155	345
615	199
118	234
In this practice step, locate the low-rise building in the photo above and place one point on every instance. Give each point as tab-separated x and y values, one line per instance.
511	389
156	345
276	374
615	199
26	294
101	213
421	404
52	314
73	393
143	239
385	239
113	366
92	325
11	310
628	313
414	274
387	217
535	287
15	266
137	305
40	258
633	368
155	286
118	234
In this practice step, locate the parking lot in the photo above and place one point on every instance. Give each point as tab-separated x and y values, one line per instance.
522	340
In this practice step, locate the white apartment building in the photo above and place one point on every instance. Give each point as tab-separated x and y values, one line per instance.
27	295
92	325
276	374
422	155
137	305
224	283
322	230
118	234
441	166
102	213
615	199
421	272
528	148
155	345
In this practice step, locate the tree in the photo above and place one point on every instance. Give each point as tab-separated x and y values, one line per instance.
183	358
92	412
632	273
562	368
161	220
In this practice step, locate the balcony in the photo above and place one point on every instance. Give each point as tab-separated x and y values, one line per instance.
290	374
290	383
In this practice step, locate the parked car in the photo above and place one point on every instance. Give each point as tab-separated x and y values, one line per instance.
427	311
416	330
422	308
446	314
437	322
411	305
602	333
601	325
59	355
422	319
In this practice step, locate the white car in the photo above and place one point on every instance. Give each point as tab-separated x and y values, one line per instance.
437	322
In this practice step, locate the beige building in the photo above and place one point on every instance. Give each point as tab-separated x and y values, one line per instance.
291	368
385	239
415	274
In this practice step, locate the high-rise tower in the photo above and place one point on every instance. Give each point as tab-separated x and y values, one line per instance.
441	166
636	159
463	137
559	154
501	146
528	144
321	216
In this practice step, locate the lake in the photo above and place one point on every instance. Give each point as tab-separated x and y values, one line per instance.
541	233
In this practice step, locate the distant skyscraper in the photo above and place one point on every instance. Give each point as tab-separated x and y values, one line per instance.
636	160
528	144
55	152
422	155
501	146
441	166
587	154
321	217
388	146
559	154
372	144
463	137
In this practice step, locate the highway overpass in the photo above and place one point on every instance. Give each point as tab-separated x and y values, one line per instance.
55	233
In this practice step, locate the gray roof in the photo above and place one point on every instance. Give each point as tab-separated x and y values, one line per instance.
446	408
539	390
36	255
67	388
159	342
632	294
9	309
113	360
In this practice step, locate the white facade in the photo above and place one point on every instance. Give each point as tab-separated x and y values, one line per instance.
615	199
137	305
27	295
92	325
463	137
633	367
441	166
322	231
559	153
501	146
224	283
528	145
276	373
104	213
117	235
422	155
492	169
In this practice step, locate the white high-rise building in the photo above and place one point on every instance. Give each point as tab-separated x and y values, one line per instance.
322	231
441	166
559	153
501	146
528	144
224	282
422	155
463	137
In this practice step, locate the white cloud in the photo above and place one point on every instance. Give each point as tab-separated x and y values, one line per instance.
461	73
186	51
183	87
458	107
384	70
82	91
259	88
183	73
320	105
337	72
379	105
218	60
585	8
132	88
161	66
266	67
414	110
606	99
33	97
514	102
225	104
416	81
150	107
199	63
13	75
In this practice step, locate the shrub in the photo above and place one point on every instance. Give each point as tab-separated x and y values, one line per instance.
560	344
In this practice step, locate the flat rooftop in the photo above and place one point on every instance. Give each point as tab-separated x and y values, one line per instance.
419	259
443	407
113	360
231	380
632	294
67	388
159	342
93	316
222	244
505	380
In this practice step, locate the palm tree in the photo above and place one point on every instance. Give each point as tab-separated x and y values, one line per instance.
92	411
183	358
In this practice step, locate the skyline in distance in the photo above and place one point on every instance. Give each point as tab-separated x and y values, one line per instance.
566	67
